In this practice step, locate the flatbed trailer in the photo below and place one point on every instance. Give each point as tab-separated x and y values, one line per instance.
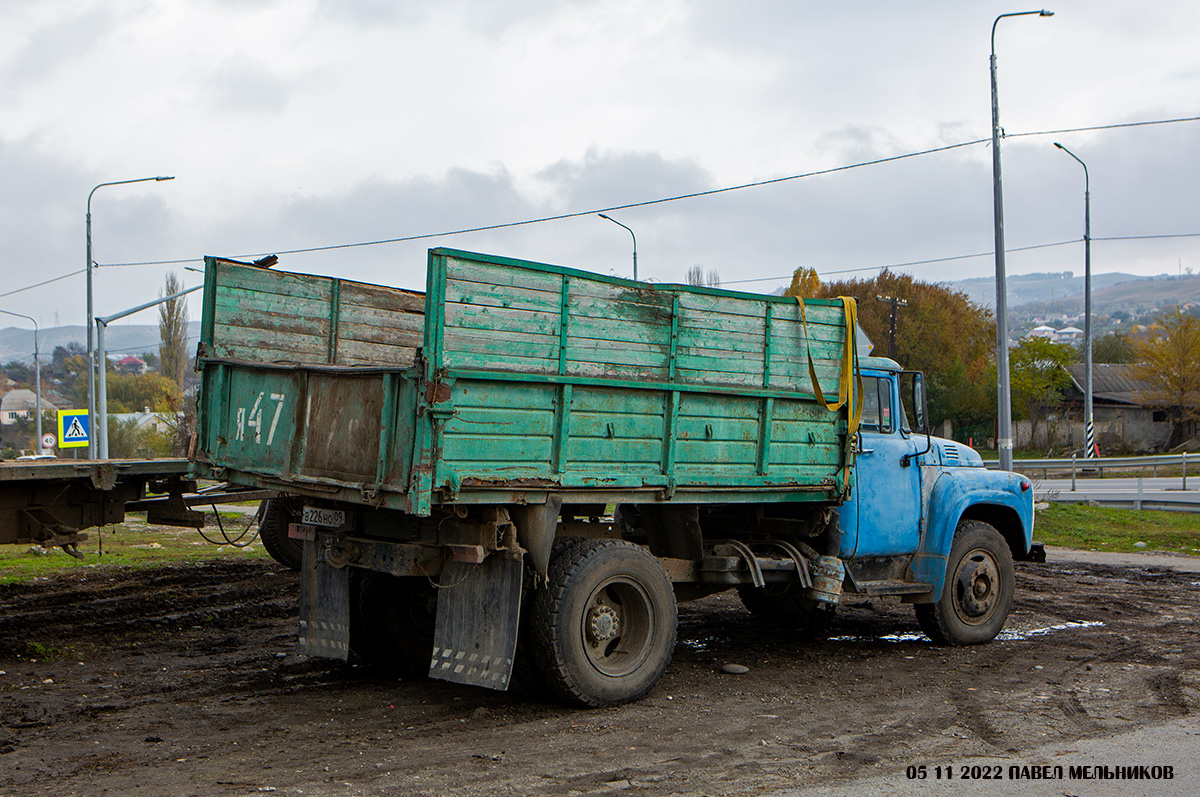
49	502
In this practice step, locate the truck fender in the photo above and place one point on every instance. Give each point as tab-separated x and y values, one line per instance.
536	525
955	494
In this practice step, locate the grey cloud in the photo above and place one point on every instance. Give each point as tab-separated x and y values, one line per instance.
603	179
489	18
242	84
59	45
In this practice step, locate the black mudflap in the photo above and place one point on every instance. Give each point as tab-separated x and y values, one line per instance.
324	607
475	638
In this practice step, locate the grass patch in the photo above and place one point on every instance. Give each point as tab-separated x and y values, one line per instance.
1103	528
40	652
132	543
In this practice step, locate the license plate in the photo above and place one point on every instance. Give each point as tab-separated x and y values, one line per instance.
318	516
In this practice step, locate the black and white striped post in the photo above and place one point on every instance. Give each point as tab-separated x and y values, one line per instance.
1089	430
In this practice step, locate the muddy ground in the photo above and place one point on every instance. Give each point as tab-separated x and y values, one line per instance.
186	681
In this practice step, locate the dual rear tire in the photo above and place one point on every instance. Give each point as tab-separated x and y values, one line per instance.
602	631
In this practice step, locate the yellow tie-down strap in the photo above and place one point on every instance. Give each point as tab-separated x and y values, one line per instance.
850	384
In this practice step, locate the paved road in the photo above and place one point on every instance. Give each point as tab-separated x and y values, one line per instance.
1122	484
1156	492
1171	561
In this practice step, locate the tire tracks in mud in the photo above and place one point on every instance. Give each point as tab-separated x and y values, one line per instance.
191	654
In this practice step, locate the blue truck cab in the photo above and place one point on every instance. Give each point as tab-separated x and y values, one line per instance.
926	520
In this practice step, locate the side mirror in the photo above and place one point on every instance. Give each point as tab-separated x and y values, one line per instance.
920	414
918	399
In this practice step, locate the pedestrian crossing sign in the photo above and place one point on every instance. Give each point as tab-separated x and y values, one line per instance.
74	428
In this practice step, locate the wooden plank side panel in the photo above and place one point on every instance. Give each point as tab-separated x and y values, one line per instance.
357	323
357	352
825	341
804	434
489	276
484	318
500	351
617	331
378	324
499	430
716	436
266	317
269	316
256	345
615	432
279	283
381	297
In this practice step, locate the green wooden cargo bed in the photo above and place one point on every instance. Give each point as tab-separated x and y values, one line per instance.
508	381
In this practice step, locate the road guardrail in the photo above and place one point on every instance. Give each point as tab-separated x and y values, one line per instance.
1096	465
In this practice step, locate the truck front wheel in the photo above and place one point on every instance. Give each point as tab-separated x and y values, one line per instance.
978	592
603	629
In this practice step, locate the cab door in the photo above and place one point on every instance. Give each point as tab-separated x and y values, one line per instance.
883	515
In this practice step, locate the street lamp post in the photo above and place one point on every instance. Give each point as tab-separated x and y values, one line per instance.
1089	433
1004	438
614	221
101	325
37	376
91	346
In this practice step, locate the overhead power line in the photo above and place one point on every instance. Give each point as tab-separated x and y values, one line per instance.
953	258
664	200
40	284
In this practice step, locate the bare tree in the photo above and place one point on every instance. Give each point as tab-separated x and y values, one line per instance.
172	331
696	275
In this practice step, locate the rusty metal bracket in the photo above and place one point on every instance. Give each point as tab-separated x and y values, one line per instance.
801	562
749	558
50	532
174	511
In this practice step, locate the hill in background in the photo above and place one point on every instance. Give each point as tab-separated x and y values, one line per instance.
17	344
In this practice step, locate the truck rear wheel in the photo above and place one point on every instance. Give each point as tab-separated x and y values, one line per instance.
979	588
274	517
603	630
783	604
395	623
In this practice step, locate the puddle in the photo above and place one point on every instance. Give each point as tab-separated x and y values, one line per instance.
700	645
1011	636
905	637
1005	636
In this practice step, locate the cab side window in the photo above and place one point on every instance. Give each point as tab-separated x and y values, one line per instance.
877	405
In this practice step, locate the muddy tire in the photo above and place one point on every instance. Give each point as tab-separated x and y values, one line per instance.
274	517
395	623
782	604
603	630
979	589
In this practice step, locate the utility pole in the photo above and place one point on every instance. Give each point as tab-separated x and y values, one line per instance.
895	303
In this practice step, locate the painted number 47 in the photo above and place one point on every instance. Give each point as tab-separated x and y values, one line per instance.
253	419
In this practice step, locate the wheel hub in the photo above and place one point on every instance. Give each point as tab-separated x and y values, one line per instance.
603	624
977	586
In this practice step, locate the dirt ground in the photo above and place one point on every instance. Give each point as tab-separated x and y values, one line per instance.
186	681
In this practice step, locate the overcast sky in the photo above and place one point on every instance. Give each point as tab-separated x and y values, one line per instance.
291	124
